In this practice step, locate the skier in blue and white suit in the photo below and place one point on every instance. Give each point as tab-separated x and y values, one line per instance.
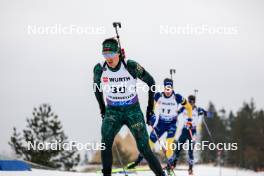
168	104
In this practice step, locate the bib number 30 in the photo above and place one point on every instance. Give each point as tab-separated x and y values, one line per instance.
119	89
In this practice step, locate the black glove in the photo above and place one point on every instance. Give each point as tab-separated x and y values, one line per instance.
203	112
103	113
189	123
149	115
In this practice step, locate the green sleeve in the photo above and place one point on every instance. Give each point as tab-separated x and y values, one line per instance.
137	71
98	70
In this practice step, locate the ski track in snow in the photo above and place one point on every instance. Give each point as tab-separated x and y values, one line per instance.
199	170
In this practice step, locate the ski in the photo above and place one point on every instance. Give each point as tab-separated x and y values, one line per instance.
120	170
137	169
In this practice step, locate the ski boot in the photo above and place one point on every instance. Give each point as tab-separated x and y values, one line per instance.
170	166
135	163
106	172
190	170
164	174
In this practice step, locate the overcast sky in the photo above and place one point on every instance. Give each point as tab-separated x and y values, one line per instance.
225	62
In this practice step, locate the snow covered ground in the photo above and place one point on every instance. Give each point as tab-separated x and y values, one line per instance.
200	170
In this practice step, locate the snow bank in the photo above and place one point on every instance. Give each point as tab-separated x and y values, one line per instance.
199	170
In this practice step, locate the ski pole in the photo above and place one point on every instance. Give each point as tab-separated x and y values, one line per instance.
211	137
191	134
163	149
208	131
120	161
172	71
205	124
117	25
195	92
